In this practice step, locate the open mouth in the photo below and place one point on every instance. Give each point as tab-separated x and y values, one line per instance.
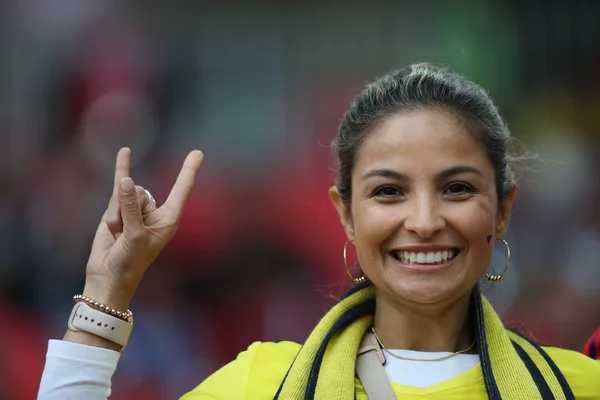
430	257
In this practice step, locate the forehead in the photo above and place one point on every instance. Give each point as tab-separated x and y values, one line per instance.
420	142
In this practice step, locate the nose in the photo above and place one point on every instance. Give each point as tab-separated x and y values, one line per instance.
424	217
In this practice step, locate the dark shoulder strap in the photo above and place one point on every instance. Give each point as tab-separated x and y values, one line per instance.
369	368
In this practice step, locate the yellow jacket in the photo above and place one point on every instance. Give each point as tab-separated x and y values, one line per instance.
257	373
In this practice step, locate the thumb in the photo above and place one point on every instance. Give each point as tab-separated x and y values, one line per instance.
130	207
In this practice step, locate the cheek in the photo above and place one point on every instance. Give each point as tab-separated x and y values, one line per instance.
476	217
374	222
476	225
374	225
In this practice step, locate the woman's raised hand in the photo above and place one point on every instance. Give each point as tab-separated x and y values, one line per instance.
133	231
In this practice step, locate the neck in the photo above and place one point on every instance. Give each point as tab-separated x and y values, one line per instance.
423	328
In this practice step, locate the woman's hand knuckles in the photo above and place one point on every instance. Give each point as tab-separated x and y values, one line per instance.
131	204
134	238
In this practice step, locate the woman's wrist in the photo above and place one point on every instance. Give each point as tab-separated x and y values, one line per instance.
103	293
114	298
89	339
107	306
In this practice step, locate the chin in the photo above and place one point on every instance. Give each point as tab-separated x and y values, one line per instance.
426	292
426	288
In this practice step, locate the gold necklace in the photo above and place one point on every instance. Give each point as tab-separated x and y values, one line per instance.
419	359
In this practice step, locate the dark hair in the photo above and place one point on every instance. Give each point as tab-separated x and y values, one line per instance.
421	87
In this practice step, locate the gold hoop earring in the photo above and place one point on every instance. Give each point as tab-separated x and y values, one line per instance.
498	278
356	281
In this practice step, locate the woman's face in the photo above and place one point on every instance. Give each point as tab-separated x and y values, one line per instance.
423	206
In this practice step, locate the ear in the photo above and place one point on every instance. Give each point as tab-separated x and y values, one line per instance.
505	213
343	211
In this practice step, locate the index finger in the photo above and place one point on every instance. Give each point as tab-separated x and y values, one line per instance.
122	167
184	183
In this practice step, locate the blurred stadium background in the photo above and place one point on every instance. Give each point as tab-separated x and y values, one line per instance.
260	86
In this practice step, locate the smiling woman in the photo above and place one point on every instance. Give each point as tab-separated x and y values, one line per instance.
425	188
448	204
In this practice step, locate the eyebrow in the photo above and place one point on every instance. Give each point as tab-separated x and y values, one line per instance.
459	169
383	173
388	173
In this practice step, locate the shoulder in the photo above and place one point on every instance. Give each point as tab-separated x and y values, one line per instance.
582	372
270	362
274	351
255	373
573	362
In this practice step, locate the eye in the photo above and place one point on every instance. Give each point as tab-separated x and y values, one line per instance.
387	191
458	188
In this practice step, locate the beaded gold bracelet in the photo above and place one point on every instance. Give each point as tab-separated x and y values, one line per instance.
126	316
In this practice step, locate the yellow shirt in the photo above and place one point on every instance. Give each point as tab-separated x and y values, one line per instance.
257	373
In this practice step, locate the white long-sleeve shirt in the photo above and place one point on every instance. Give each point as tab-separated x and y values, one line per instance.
75	371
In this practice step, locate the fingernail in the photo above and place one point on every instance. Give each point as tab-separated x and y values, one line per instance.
126	185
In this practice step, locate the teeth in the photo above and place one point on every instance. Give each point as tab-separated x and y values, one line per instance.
430	257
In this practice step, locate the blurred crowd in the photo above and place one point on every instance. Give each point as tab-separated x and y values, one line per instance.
260	87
